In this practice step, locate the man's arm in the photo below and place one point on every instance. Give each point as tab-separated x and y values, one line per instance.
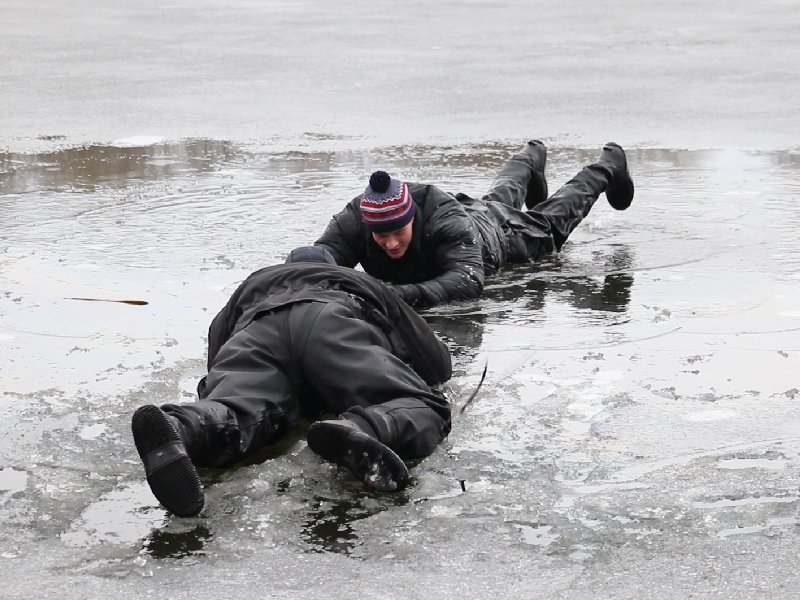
433	362
428	356
451	242
344	236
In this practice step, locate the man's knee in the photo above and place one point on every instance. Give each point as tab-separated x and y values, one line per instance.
524	248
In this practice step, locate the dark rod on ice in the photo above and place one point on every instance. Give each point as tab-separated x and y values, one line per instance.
134	302
475	393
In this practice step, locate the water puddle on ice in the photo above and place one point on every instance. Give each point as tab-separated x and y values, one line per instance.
12	480
752	463
749	529
751	501
92	431
165	543
116	518
537	535
329	528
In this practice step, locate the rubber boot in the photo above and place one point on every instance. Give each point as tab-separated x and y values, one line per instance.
375	464
537	187
619	192
170	472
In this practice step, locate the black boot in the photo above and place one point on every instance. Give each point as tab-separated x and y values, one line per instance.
537	188
374	463
170	472
619	192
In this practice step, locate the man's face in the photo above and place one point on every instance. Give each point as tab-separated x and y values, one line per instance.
395	243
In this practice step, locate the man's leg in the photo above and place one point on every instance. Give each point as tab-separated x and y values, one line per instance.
521	181
248	403
359	378
350	367
565	209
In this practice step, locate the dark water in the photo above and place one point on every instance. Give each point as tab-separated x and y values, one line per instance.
639	413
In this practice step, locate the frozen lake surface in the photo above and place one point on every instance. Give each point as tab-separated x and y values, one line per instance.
637	435
639	413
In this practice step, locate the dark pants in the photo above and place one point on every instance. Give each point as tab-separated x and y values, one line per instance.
530	234
308	357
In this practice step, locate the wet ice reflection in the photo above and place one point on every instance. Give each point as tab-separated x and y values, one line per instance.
329	525
115	518
163	543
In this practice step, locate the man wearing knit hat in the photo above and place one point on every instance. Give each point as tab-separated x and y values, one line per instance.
432	247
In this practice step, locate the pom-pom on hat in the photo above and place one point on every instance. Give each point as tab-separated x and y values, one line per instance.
386	204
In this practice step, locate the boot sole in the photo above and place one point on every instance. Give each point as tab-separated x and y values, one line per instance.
170	473
375	464
620	196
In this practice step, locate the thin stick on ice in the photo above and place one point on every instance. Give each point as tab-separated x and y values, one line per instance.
475	393
133	302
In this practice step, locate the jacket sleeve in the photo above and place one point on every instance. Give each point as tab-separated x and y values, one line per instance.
344	235
434	364
451	242
428	356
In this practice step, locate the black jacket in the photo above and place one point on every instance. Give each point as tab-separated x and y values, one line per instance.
411	338
443	263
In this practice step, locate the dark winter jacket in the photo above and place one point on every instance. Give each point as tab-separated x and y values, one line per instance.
411	338
443	263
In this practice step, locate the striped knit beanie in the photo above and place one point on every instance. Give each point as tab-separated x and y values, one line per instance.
386	204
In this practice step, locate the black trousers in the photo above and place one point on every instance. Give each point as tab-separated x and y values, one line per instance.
526	235
308	357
